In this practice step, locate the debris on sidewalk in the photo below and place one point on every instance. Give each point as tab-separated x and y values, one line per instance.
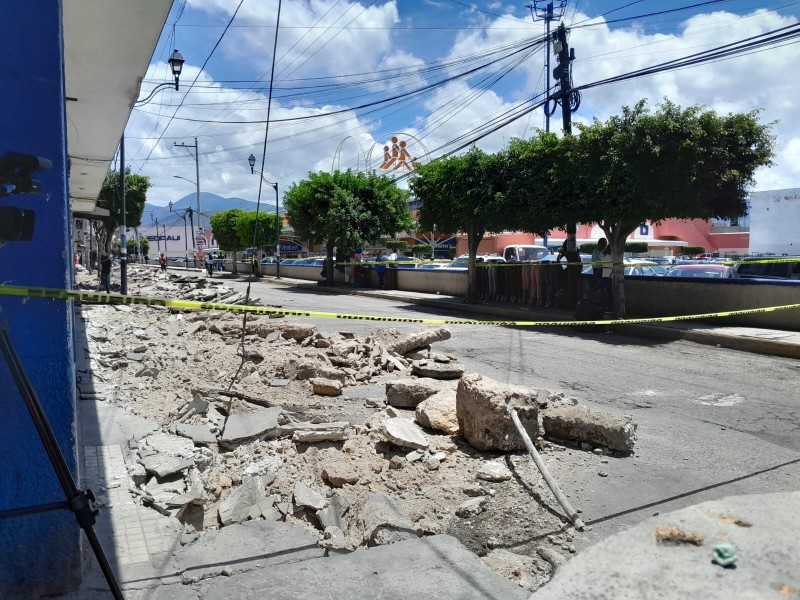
314	449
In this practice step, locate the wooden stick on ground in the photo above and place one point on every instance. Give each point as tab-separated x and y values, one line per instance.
552	484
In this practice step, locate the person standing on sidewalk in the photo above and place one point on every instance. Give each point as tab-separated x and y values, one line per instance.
380	267
209	264
105	273
162	260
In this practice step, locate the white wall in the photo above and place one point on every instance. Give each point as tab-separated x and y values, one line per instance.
775	222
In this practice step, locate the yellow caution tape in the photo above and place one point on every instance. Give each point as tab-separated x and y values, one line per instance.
101	298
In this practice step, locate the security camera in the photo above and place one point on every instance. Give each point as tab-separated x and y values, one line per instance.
16	170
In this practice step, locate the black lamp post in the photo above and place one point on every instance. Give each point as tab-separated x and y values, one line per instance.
252	160
176	65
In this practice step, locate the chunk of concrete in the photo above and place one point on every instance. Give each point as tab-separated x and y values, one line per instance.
199	434
236	507
439	412
311	369
436	370
482	409
310	433
339	473
325	387
405	434
267	468
472	507
617	432
384	521
409	392
419	339
304	496
494	471
333	514
166	443
260	423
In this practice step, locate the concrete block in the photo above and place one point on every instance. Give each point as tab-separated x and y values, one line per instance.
616	432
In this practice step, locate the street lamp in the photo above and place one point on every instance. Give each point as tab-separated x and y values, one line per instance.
252	160
175	61
196	157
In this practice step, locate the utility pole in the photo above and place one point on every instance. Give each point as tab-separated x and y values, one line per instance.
569	100
547	11
123	250
197	183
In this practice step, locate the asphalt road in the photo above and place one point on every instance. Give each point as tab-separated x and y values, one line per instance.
712	422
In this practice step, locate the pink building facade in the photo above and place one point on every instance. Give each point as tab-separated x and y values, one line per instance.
666	238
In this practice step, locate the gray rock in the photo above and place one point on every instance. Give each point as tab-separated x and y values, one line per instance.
163	465
199	434
313	369
617	432
279	382
326	387
494	471
384	521
297	332
482	410
260	423
333	514
471	507
408	393
148	372
552	556
236	507
304	496
273	336
439	412
166	443
339	473
405	434
436	370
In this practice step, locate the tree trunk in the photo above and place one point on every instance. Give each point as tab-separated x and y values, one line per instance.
474	238
617	235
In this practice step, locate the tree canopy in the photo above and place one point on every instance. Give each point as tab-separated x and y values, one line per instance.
464	193
345	210
264	235
136	187
225	227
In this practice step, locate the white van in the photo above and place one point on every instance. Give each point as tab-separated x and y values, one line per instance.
524	253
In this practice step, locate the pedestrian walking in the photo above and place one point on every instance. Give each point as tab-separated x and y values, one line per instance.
105	273
209	265
162	260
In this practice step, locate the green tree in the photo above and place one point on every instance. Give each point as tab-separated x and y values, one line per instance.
685	163
136	187
693	250
345	210
636	247
144	246
225	226
397	245
464	193
252	237
418	249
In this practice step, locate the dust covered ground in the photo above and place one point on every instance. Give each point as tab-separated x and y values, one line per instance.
321	460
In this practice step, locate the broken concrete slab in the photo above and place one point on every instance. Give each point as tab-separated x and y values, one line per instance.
236	507
419	339
340	472
617	432
267	468
304	496
408	392
325	387
239	548
166	443
311	369
164	465
259	423
333	514
436	565
482	410
199	434
383	521
404	433
439	412
436	370
472	507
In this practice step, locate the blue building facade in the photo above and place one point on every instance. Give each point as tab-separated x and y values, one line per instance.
39	553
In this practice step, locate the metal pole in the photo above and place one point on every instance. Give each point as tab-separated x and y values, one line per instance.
277	235
197	175
158	239
548	17
194	248
123	250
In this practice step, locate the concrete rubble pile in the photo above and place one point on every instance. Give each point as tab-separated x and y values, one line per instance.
301	437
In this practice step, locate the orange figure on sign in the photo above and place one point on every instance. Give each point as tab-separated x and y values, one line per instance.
398	157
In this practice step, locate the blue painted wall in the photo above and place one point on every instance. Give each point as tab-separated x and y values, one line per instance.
40	553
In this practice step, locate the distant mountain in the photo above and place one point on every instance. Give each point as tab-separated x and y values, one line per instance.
210	204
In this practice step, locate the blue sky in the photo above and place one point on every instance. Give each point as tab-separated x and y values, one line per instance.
335	55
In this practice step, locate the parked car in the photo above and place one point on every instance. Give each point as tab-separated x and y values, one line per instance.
429	266
406	262
709	270
750	269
